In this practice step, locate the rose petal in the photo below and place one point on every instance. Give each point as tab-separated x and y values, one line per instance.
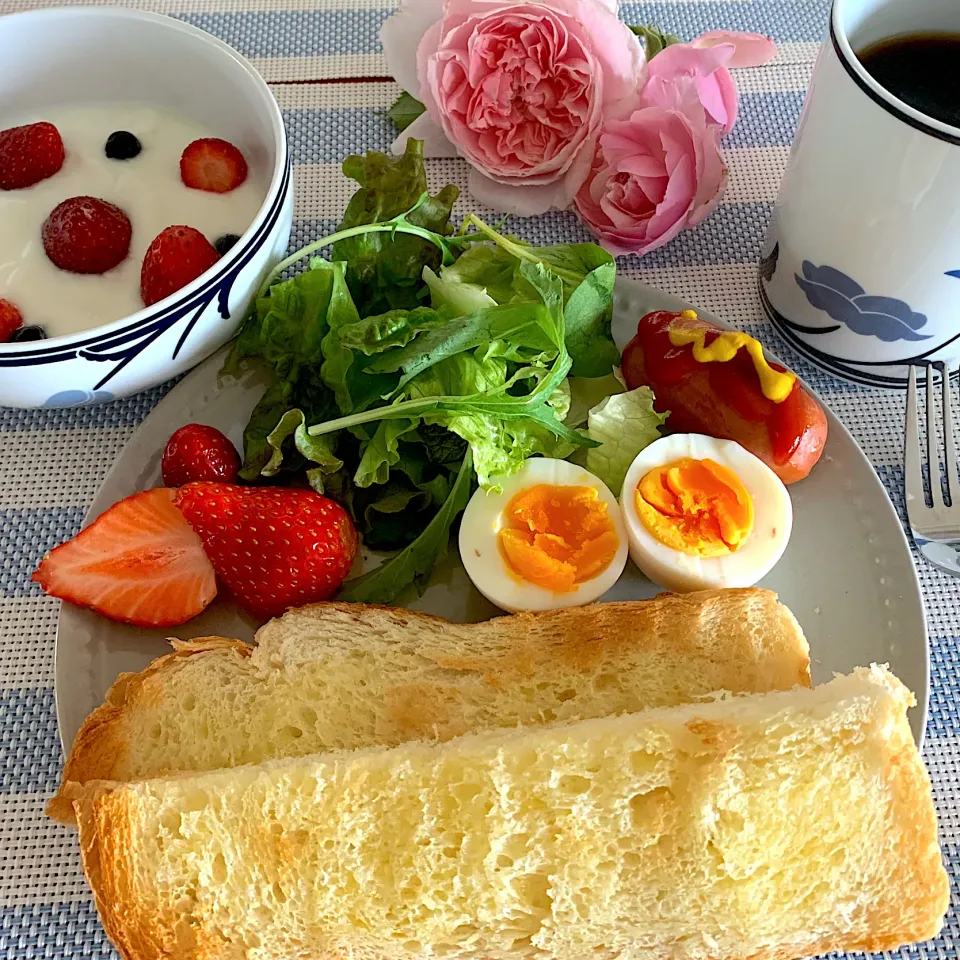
752	49
641	167
522	200
718	94
713	179
669	82
466	8
685	60
672	212
435	142
423	56
400	35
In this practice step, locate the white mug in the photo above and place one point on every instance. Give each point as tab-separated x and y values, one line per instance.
861	266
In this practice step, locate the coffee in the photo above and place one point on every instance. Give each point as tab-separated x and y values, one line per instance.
922	69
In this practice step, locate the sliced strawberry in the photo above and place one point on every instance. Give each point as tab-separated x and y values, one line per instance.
199	452
175	258
10	321
87	235
274	547
29	154
139	562
216	166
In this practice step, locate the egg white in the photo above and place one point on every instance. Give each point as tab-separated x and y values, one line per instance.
480	549
756	556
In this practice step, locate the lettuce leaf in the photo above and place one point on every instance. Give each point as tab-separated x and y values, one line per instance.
493	273
286	328
622	425
385	270
381	452
460	296
265	416
419	361
318	450
396	328
352	346
520	331
414	564
588	392
505	412
442	447
285	334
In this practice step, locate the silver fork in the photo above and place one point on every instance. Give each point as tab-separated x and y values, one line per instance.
935	528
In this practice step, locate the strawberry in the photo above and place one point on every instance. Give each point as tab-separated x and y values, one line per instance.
29	154
212	165
10	321
175	258
87	235
274	547
139	562
199	452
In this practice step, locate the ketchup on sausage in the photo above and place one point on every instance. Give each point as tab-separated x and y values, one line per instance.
726	398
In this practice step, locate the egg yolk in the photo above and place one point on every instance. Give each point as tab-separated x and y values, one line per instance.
697	507
557	536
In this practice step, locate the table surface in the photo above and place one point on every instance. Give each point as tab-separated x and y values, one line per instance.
326	68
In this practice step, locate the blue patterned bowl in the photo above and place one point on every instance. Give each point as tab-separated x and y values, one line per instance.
92	55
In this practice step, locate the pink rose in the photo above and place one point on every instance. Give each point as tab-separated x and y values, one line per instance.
654	174
661	170
705	61
519	89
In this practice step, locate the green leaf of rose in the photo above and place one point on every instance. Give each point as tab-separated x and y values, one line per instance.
405	110
654	39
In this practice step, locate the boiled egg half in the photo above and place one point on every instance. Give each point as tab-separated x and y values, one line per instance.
554	537
704	513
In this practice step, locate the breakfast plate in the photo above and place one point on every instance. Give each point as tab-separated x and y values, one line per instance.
847	573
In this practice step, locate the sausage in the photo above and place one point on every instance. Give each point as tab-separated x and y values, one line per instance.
724	399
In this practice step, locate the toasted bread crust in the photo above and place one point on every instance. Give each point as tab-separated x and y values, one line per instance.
709	629
100	744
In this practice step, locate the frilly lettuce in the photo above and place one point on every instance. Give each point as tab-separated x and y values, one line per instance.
419	363
384	271
622	425
492	274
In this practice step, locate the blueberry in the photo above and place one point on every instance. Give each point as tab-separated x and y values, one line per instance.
224	244
122	146
25	334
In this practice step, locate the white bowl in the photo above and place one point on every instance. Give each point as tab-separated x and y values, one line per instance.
92	55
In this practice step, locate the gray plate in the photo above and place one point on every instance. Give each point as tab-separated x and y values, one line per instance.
847	573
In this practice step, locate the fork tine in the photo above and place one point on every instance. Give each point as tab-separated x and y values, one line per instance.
912	472
953	480
933	448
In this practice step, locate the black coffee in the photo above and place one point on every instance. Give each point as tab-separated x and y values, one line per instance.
922	69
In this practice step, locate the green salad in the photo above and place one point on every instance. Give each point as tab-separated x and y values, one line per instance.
420	361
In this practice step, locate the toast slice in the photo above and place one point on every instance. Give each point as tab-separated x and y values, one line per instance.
339	676
769	826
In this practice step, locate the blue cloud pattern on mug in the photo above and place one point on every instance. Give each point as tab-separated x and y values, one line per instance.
845	301
77	398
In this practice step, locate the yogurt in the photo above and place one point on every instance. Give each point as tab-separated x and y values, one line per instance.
148	188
